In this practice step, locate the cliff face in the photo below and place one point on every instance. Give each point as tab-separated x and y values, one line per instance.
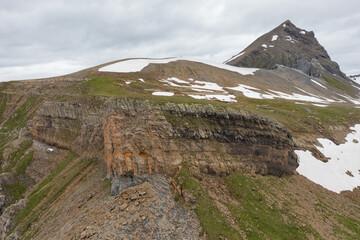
141	138
68	125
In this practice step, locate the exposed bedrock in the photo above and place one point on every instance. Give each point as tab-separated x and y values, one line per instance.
142	139
138	137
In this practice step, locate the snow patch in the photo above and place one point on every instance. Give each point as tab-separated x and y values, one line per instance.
136	65
133	65
141	80
233	57
300	97
264	46
274	38
49	150
290	39
318	83
344	161
319	105
302	32
169	94
223	98
271	45
247	91
127	82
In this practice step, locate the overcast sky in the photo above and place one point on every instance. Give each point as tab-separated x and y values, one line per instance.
43	38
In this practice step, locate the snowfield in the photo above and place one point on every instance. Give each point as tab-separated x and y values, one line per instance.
133	65
136	65
342	171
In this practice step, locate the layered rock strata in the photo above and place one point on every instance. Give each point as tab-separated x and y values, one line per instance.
139	137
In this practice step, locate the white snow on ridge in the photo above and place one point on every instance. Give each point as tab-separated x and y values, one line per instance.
133	65
274	38
302	32
169	94
252	92
232	58
136	65
241	70
342	171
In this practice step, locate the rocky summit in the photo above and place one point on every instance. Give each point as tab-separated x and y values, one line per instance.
290	46
263	147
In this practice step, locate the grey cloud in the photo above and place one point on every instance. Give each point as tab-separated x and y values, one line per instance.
80	34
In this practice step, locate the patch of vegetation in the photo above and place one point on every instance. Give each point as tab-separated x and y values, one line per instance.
22	115
187	121
334	83
213	222
24	163
70	157
16	155
102	86
260	219
43	198
14	190
301	118
114	87
3	105
351	224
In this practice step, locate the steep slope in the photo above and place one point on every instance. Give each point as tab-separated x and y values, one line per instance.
289	46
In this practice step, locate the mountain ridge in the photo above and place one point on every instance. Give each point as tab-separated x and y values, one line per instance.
290	46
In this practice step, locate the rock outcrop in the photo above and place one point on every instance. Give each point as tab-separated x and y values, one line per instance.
68	125
289	46
140	138
143	138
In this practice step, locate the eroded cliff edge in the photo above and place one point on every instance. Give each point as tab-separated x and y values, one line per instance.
138	137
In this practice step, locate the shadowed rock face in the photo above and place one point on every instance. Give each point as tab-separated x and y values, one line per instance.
293	47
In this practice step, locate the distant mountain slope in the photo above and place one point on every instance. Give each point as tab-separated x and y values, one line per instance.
355	78
289	46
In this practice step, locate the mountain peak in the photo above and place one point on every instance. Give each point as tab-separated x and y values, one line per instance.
290	46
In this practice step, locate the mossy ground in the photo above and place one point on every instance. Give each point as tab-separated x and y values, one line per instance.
261	210
213	223
260	218
49	190
298	118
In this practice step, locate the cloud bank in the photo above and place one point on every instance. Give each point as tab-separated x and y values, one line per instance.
47	38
